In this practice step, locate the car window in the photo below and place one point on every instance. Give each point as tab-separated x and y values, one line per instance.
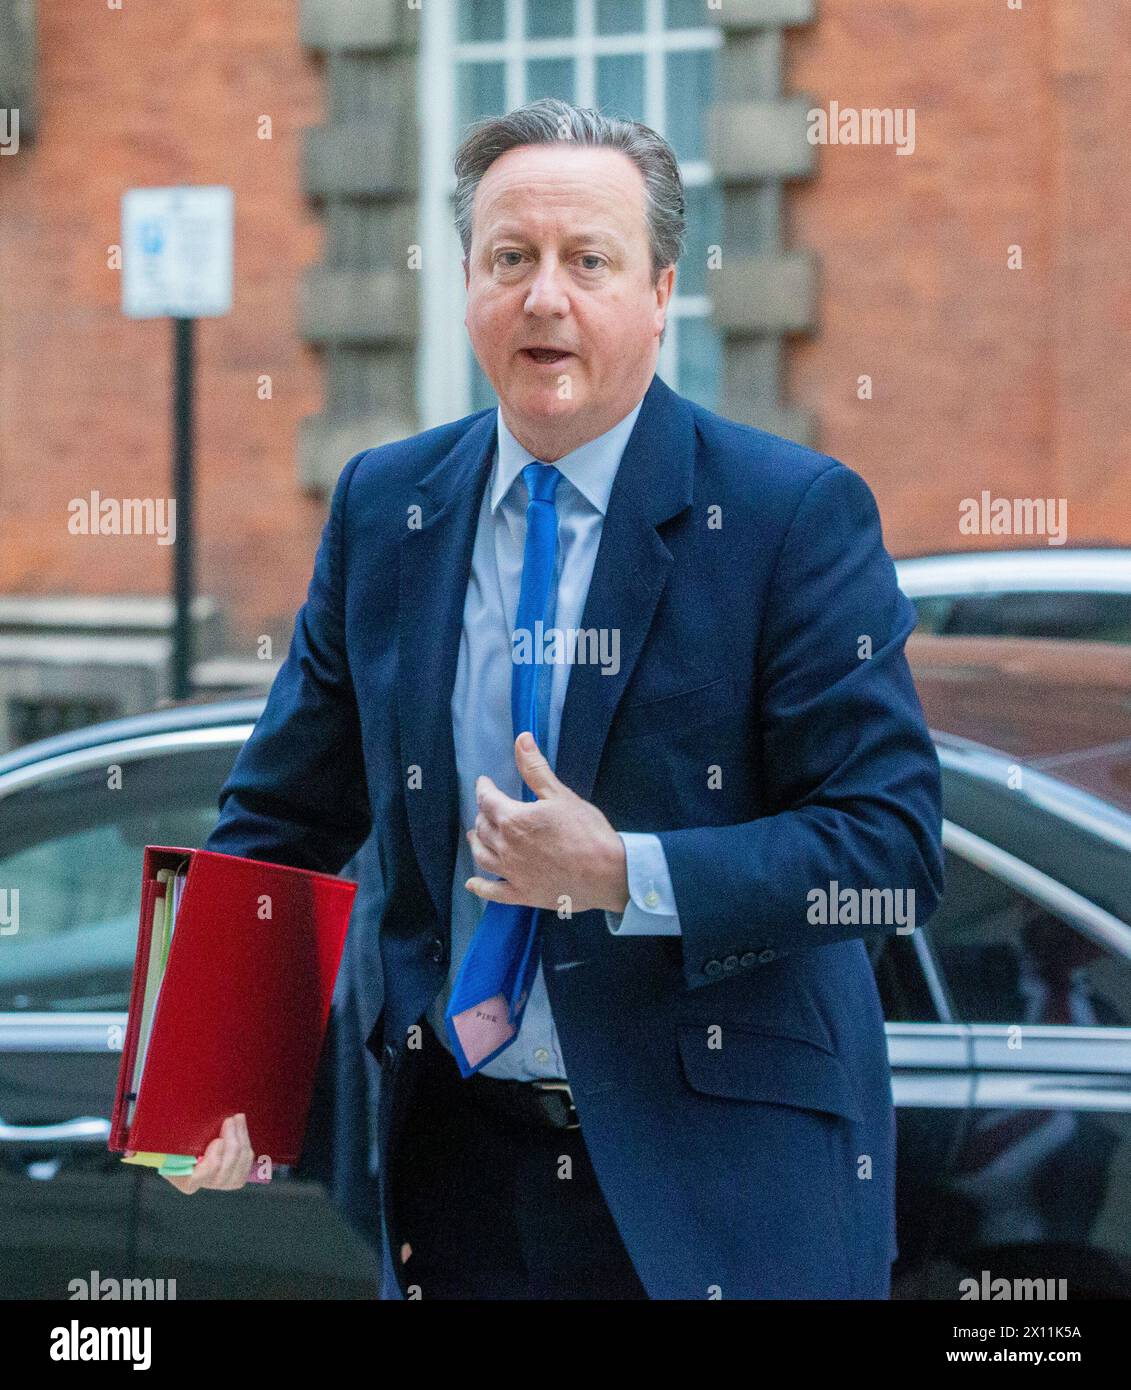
904	993
932	610
70	864
1092	617
1008	959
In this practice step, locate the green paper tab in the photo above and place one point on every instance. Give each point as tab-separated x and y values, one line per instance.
177	1165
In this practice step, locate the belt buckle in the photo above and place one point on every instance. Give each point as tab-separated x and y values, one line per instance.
571	1109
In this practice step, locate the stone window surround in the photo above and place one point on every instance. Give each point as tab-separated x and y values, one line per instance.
363	306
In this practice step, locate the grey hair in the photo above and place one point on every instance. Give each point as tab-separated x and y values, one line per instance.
550	122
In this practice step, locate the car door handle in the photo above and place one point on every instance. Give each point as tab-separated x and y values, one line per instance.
84	1129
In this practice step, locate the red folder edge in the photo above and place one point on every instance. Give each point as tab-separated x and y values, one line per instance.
118	1128
331	940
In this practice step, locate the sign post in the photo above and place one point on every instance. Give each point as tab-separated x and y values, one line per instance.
177	263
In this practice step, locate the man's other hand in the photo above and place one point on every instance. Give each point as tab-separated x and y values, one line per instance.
225	1164
559	847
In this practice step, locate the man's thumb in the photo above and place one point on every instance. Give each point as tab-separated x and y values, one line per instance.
536	771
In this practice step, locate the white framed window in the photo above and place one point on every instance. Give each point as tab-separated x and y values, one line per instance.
651	60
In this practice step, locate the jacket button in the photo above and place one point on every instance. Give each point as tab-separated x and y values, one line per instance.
730	964
436	949
748	959
766	955
390	1052
713	968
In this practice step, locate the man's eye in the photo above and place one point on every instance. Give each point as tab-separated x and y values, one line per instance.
599	261
502	256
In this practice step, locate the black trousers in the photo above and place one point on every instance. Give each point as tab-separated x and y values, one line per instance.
494	1209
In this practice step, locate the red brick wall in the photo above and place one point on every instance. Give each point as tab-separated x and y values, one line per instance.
1016	381
145	95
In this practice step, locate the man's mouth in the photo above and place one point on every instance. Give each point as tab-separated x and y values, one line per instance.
546	356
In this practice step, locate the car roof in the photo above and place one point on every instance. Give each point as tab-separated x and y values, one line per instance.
1063	708
172	718
1082	570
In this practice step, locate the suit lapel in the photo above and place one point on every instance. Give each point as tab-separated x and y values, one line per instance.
653	483
435	562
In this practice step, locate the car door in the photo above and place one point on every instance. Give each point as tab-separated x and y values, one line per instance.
68	1207
71	838
1040	1186
929	1054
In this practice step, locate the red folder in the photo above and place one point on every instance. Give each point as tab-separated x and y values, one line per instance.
245	998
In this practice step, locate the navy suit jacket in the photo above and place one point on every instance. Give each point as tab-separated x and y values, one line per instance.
733	1081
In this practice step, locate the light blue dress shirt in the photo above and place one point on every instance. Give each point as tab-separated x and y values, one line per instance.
481	707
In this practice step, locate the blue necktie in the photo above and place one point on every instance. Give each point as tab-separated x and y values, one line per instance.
489	996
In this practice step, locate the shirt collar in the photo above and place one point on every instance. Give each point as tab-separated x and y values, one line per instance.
591	467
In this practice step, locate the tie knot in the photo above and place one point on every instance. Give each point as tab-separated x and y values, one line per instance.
541	480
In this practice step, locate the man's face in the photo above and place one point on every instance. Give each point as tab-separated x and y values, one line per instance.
562	309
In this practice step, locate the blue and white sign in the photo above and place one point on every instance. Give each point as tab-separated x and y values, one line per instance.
177	252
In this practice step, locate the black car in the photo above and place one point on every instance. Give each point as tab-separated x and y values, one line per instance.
1008	1020
75	814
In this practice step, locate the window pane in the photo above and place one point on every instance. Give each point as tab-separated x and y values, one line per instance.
482	19
548	19
620	16
704	229
41	717
699	356
549	77
1008	960
690	92
482	91
687	14
620	85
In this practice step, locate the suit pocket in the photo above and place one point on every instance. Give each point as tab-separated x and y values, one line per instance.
682	710
748	1065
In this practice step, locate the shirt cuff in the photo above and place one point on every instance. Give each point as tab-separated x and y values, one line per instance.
651	909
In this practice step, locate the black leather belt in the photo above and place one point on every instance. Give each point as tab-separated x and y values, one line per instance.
537	1104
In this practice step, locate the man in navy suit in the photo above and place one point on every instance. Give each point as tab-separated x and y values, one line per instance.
734	787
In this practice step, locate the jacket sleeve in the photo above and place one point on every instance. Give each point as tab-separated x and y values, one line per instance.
297	794
851	778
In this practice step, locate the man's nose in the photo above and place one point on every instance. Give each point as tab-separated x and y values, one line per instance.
548	294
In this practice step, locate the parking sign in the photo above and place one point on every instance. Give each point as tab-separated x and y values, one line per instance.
177	252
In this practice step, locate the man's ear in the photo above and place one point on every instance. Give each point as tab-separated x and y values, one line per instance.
665	287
